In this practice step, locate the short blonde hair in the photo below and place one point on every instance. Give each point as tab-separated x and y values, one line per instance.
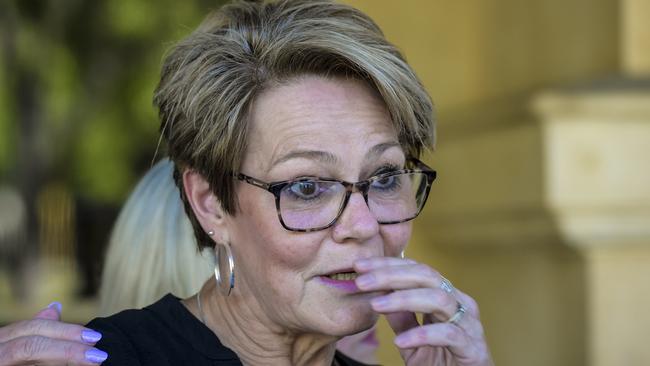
210	80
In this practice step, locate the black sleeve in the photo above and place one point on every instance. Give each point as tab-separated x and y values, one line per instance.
114	342
347	361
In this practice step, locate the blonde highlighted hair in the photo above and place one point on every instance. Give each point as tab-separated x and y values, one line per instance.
210	80
151	249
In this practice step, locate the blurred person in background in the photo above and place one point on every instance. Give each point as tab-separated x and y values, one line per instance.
151	250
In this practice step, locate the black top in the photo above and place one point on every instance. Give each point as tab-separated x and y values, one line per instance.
166	333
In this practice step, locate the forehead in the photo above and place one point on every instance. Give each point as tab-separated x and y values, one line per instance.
340	116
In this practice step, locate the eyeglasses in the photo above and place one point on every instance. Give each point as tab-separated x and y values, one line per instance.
312	204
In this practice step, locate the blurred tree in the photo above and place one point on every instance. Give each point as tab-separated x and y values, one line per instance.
76	82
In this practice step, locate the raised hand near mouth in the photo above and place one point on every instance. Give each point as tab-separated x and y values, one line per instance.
451	332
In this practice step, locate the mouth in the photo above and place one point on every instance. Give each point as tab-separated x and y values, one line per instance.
342	279
343	276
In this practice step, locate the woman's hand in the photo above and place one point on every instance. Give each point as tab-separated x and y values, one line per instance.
451	332
45	340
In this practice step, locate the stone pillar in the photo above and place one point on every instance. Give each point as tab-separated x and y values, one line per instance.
635	37
546	222
597	164
489	230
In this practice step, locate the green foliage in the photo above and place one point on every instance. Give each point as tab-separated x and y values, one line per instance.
61	86
128	18
7	126
80	75
102	159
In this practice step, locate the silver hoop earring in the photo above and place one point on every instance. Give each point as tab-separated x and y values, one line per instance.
401	254
225	287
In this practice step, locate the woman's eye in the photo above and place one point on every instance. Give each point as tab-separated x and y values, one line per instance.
384	182
307	189
389	184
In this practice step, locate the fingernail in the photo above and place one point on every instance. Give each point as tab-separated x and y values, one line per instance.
96	356
56	305
380	303
402	341
365	281
90	336
362	263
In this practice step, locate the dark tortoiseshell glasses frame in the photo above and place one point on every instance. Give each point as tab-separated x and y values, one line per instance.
362	187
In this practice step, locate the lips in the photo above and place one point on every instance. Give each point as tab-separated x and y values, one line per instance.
341	279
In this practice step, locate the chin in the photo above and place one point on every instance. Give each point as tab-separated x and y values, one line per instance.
351	320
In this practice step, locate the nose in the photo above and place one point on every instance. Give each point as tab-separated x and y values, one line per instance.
356	223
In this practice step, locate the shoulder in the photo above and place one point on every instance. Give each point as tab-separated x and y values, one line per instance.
139	337
116	339
163	333
344	360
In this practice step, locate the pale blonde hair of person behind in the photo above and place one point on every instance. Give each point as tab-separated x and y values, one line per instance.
152	250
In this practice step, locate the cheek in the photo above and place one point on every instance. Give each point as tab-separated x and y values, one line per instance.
274	263
267	245
396	238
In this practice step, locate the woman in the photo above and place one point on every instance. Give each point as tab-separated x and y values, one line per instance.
286	92
268	111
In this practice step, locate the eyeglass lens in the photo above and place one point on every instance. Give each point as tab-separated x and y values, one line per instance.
310	204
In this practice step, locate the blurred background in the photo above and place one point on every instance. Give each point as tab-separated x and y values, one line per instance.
542	206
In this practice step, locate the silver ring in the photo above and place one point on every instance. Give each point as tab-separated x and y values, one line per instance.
458	315
446	286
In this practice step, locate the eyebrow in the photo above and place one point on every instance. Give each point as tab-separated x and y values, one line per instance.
329	158
323	156
379	149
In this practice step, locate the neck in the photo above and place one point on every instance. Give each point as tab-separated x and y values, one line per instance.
242	326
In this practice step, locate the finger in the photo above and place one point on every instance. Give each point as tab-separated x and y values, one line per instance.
420	300
51	312
467	351
47	351
437	334
49	329
398	277
368	264
469	303
436	305
401	321
470	321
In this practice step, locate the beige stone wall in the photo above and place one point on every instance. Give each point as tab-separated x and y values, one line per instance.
490	225
620	294
472	53
598	191
635	37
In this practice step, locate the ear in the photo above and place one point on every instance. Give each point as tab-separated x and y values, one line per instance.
206	206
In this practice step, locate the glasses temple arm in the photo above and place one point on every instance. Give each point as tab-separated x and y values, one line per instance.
253	181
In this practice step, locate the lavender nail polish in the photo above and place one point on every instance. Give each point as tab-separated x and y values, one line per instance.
402	341
362	263
90	336
56	305
365	281
380	302
96	356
